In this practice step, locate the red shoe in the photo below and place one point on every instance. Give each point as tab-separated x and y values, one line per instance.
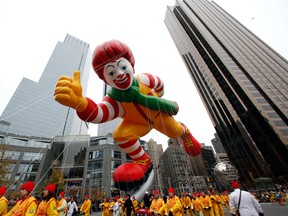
191	145
131	175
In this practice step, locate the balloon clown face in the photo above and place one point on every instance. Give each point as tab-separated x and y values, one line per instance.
113	62
119	74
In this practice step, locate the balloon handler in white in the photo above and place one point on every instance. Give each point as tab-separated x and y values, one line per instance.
134	98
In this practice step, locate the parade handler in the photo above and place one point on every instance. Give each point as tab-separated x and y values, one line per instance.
134	98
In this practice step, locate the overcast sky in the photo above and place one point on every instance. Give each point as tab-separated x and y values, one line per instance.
30	30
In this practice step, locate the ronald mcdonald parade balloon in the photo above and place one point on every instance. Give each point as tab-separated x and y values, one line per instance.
137	99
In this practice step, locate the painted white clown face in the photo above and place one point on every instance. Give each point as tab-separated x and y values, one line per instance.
119	74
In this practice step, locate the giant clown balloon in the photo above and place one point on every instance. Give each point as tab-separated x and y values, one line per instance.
137	99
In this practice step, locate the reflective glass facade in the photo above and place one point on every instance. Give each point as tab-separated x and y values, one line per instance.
27	157
243	85
32	110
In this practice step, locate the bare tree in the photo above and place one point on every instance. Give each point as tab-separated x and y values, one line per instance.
4	165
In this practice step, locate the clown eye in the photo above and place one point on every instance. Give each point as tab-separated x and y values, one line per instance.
124	68
111	73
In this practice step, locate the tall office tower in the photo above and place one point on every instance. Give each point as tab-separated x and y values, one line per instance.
32	110
174	169
155	151
243	84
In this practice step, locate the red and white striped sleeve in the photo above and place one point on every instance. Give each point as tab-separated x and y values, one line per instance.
107	110
153	82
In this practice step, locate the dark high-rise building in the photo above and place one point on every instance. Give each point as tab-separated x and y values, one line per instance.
208	158
243	84
32	110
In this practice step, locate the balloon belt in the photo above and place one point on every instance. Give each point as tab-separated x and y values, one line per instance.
133	94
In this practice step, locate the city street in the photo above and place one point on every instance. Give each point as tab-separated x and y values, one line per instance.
269	210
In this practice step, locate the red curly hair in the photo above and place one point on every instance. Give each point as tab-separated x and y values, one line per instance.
110	51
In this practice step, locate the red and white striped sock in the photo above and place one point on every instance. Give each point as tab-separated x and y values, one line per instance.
134	149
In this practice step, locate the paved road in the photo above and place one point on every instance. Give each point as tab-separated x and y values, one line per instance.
268	208
271	210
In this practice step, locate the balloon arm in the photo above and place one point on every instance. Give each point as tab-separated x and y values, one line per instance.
90	113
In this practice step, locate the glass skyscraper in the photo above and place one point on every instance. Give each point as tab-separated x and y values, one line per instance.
243	84
32	110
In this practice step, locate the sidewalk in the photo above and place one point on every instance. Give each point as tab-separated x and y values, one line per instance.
96	213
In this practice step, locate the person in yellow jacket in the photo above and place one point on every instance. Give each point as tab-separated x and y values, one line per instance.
157	205
27	205
135	204
218	202
3	201
105	207
206	205
196	203
62	205
111	204
186	202
86	206
181	201
48	206
173	205
226	198
214	203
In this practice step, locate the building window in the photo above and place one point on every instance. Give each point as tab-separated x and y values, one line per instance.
96	182
115	163
96	154
28	177
261	100
280	123
32	156
94	142
284	131
96	174
12	155
92	165
23	168
117	154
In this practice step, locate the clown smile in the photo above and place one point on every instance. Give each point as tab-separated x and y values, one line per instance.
123	82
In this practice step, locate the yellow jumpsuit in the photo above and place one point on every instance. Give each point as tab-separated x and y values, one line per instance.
219	201
174	206
186	201
226	198
158	205
25	207
197	206
86	207
47	208
136	207
214	205
3	205
206	206
105	208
